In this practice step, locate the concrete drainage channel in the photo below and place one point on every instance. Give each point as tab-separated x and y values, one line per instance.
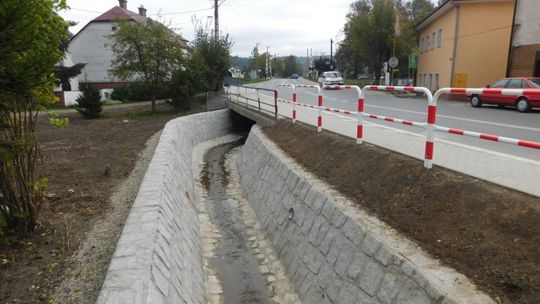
218	222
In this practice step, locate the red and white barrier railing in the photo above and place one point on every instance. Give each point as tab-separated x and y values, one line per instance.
397	120
360	108
490	137
293	88
484	136
430	124
431	117
319	102
473	91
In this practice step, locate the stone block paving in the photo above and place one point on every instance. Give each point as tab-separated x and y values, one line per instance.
332	251
279	287
158	256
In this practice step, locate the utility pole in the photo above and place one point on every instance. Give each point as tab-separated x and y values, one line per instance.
216	20
268	74
331	49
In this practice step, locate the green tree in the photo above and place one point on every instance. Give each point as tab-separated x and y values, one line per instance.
258	61
30	35
187	81
278	67
370	35
291	66
215	52
64	74
89	104
147	52
418	10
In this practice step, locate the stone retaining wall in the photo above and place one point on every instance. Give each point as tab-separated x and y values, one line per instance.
158	256
333	251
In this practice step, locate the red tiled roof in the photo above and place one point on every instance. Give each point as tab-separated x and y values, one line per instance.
119	13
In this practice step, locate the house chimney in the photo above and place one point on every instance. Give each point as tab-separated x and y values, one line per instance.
142	11
123	3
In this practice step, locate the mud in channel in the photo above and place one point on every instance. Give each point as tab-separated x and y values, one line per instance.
237	266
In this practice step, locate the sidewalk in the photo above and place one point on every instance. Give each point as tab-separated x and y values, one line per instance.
502	169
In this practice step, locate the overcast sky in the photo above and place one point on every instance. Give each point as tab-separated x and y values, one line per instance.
287	26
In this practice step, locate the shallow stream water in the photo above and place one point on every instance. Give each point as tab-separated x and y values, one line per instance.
237	265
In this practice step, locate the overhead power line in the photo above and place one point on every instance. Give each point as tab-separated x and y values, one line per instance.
186	12
241	6
162	14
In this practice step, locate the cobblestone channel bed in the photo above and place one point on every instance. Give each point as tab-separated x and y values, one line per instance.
240	263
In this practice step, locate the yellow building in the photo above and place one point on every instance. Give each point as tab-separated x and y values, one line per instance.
465	43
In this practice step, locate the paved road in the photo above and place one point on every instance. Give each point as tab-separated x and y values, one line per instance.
454	114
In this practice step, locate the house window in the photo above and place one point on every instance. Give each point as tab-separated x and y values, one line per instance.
436	82
428	43
433	41
422	45
439	38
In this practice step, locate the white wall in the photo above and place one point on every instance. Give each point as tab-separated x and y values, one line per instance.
527	16
70	98
92	46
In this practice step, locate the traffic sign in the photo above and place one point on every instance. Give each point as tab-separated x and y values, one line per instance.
413	61
393	62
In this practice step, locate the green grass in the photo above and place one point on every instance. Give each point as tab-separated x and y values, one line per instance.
139	115
359	82
112	102
58	106
124	158
252	81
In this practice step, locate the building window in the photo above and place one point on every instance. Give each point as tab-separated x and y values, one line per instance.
439	38
428	43
433	41
436	82
422	45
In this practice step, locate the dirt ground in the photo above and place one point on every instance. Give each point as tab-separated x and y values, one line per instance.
487	232
84	164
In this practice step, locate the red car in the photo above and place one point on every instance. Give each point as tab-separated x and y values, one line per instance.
523	103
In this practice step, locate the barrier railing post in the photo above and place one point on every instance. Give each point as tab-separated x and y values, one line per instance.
320	104
259	100
360	117
431	117
293	88
294	105
247	100
276	96
430	129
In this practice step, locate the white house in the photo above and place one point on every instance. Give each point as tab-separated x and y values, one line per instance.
91	45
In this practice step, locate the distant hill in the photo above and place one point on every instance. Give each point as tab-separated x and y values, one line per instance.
241	62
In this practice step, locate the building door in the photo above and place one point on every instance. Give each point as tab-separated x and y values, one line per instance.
537	65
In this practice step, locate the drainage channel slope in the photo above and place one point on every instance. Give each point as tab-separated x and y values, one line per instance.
243	259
